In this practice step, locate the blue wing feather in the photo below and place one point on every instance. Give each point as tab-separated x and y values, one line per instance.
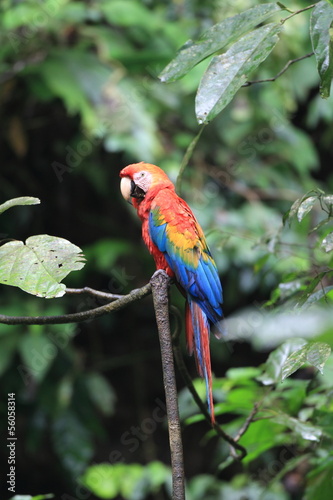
202	283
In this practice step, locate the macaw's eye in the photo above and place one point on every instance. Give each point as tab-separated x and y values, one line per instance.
142	174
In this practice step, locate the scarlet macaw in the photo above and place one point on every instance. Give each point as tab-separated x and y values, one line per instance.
177	243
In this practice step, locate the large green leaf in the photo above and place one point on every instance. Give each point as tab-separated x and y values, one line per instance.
229	71
321	31
23	200
216	38
39	265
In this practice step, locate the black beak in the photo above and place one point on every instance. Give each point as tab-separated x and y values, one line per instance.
137	192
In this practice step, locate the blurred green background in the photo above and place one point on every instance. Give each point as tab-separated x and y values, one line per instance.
80	99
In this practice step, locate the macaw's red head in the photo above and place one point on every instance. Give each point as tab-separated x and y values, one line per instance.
140	178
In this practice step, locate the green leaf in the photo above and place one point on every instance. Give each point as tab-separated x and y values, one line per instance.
327	243
37	353
229	71
301	206
315	353
72	442
23	200
277	359
127	13
102	480
321	32
305	207
261	436
101	393
132	481
216	38
319	483
79	79
304	429
39	265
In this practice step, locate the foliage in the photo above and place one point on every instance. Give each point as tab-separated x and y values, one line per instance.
81	98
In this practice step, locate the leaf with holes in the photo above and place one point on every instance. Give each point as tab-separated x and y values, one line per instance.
229	71
40	264
216	38
321	32
23	200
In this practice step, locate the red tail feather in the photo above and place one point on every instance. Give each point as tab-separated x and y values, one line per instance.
197	335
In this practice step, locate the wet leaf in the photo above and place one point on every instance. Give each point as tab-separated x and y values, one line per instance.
321	33
40	264
216	38
229	71
327	243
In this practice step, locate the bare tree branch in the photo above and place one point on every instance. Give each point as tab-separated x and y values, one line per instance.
283	70
80	316
297	12
94	293
160	282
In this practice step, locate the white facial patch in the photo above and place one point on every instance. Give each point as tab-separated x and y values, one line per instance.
142	180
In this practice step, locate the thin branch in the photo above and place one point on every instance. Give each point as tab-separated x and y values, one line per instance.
298	12
95	293
80	316
187	157
188	381
160	282
283	70
247	422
